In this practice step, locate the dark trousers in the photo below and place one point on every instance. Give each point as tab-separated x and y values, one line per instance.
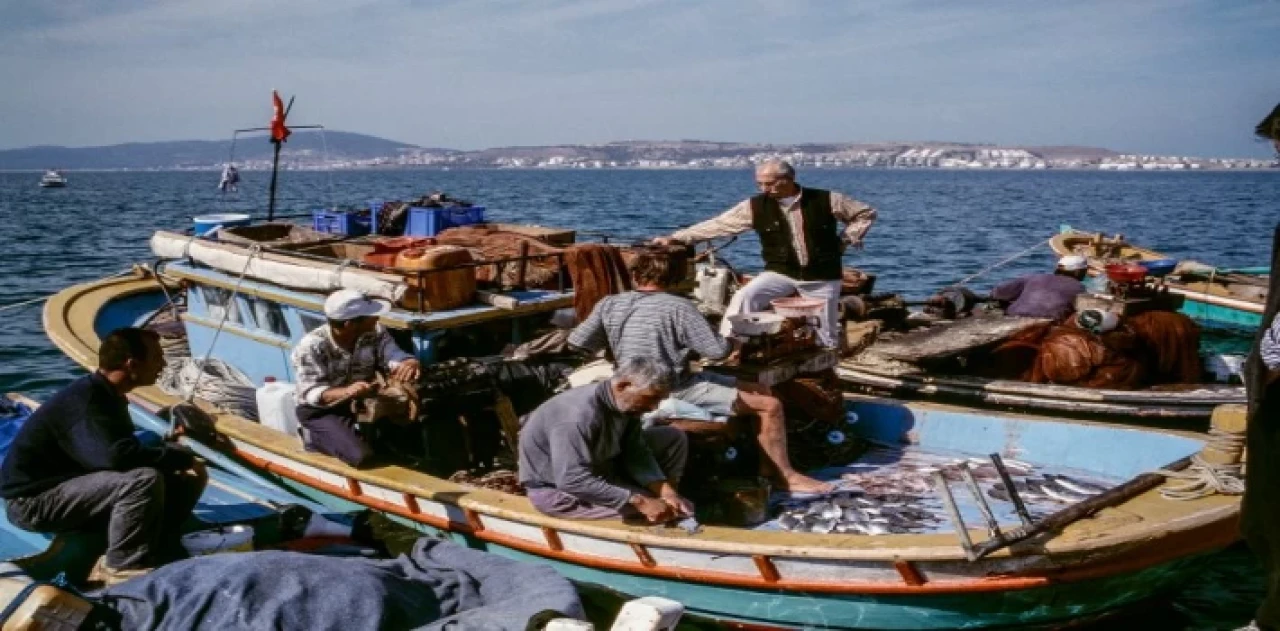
1260	521
141	509
332	432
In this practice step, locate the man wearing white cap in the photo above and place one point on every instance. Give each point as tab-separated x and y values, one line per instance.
1045	295
337	363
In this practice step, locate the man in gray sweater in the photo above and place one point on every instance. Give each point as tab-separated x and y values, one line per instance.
584	455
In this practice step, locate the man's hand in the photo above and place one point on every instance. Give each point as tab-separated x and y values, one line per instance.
359	390
408	370
663	241
679	504
655	511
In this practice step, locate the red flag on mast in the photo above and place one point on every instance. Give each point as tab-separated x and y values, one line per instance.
279	133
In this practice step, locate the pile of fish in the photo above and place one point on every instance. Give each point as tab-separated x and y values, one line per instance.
1058	488
891	491
857	513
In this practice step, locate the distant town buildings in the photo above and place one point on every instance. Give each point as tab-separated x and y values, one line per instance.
697	155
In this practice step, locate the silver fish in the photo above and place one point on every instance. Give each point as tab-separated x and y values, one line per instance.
1061	495
788	521
1077	486
823	526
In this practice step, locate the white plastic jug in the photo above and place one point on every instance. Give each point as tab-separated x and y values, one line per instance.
277	407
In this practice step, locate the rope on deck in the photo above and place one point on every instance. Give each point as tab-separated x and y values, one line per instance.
186	409
1204	478
1002	262
226	387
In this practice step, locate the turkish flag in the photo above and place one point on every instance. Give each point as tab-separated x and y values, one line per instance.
279	133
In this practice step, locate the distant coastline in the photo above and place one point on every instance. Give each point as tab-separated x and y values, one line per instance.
348	151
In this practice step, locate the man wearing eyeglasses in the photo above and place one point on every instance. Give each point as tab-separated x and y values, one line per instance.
800	242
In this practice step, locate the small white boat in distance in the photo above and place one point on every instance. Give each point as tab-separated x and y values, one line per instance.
53	179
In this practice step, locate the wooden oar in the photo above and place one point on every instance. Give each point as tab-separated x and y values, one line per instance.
1057	521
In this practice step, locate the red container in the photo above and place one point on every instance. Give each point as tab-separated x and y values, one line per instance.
1126	273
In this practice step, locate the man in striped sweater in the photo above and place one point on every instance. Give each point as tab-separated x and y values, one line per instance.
651	323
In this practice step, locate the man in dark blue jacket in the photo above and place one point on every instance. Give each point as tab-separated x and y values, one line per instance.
77	465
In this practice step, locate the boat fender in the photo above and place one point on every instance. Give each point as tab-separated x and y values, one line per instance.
650	613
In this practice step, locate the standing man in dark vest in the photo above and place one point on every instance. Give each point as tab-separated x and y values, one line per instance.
800	242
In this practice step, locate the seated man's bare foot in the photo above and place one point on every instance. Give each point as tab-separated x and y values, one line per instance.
804	484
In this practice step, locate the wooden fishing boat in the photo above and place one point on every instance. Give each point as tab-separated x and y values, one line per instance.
1233	298
752	578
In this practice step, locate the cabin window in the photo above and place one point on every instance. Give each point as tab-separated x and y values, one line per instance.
221	304
269	316
311	321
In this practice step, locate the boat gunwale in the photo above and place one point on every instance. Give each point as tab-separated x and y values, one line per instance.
1094	551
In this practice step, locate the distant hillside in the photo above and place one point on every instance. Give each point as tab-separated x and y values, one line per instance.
202	153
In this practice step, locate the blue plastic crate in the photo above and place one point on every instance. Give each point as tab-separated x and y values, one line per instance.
428	222
340	222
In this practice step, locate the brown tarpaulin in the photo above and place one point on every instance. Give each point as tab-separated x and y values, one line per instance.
597	271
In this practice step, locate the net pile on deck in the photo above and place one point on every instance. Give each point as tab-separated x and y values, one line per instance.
1155	347
492	244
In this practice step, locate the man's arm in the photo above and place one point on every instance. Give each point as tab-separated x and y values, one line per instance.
1269	350
102	442
590	335
736	220
571	468
311	372
696	333
638	460
399	364
857	216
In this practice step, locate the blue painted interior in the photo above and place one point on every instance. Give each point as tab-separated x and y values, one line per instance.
1112	451
127	311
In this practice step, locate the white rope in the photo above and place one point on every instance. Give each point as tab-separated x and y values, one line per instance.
228	388
46	296
1202	478
254	250
1003	262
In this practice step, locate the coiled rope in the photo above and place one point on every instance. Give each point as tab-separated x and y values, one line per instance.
187	409
228	388
1203	478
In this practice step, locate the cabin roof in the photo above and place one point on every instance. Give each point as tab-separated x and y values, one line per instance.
525	301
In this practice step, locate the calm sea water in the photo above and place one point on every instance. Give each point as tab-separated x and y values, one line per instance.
935	227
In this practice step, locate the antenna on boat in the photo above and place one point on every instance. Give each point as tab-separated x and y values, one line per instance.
279	135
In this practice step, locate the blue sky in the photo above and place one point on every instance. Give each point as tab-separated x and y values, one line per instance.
1187	77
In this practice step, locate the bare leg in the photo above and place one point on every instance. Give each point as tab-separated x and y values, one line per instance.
773	440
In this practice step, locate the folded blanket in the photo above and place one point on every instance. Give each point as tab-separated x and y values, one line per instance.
440	585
